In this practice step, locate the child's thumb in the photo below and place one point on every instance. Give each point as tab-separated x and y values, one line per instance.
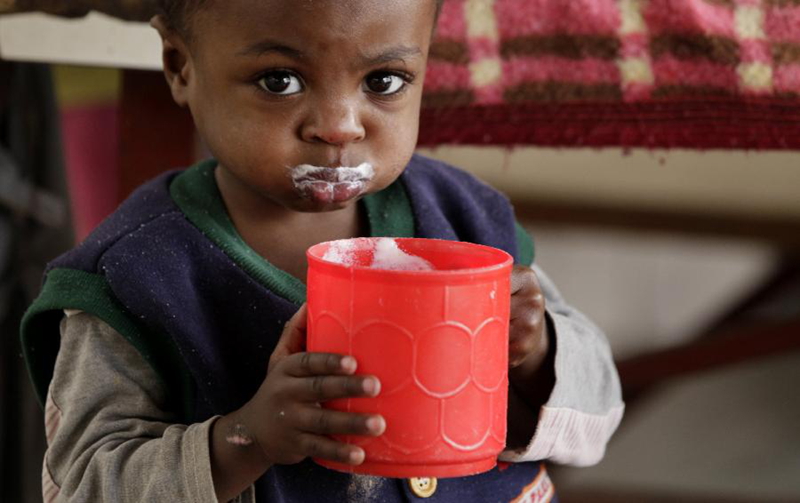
293	338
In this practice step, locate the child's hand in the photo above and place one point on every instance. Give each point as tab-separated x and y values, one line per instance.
285	416
528	343
531	362
284	422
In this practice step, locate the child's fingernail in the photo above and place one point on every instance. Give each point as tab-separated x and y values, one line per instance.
356	457
376	424
348	363
371	386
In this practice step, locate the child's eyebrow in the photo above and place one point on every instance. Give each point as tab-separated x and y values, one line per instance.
392	54
267	46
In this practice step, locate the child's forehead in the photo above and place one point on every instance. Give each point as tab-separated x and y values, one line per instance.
319	11
307	22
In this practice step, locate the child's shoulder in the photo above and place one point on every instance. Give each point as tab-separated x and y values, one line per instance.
446	180
145	206
439	169
450	203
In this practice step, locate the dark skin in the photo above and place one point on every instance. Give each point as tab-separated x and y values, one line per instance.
272	85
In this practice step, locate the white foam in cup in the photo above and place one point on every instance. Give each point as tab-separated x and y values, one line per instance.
386	255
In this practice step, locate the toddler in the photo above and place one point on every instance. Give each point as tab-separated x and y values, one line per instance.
169	347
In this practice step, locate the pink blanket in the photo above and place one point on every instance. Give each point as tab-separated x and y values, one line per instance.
656	73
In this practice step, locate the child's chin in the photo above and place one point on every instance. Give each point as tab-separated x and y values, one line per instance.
311	206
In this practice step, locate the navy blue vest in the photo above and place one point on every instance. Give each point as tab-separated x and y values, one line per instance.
195	301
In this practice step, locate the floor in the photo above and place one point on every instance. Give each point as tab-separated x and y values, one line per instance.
731	433
728	435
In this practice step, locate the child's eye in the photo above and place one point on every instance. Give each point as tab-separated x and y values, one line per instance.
385	83
280	82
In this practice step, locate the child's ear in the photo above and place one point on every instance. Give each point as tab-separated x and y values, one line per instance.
176	60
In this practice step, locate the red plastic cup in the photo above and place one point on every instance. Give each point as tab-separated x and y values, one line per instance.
437	340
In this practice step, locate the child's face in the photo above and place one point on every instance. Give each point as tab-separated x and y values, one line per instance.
281	90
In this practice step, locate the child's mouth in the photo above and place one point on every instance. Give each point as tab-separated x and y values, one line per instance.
332	185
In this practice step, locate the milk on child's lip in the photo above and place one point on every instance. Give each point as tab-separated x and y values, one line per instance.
386	255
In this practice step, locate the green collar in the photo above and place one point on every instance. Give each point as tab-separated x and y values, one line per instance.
196	193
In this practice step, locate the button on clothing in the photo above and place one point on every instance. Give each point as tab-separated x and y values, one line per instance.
423	487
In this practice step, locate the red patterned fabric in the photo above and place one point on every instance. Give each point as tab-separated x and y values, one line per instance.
654	73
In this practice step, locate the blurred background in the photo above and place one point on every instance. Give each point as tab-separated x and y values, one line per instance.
682	243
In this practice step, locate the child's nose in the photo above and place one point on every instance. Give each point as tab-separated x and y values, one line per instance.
335	124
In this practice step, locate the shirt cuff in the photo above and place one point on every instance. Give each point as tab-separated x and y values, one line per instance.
197	462
197	465
568	436
566	431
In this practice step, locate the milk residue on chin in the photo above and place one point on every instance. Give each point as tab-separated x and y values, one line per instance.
386	255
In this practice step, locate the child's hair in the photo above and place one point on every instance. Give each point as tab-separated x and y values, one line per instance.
177	12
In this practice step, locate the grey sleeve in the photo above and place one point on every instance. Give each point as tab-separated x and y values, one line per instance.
585	406
112	436
586	377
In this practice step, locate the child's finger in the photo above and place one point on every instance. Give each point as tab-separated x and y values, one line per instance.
293	338
321	447
527	339
314	364
523	279
327	387
529	323
331	422
523	306
519	349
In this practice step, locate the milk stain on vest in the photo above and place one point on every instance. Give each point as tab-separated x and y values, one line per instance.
364	488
